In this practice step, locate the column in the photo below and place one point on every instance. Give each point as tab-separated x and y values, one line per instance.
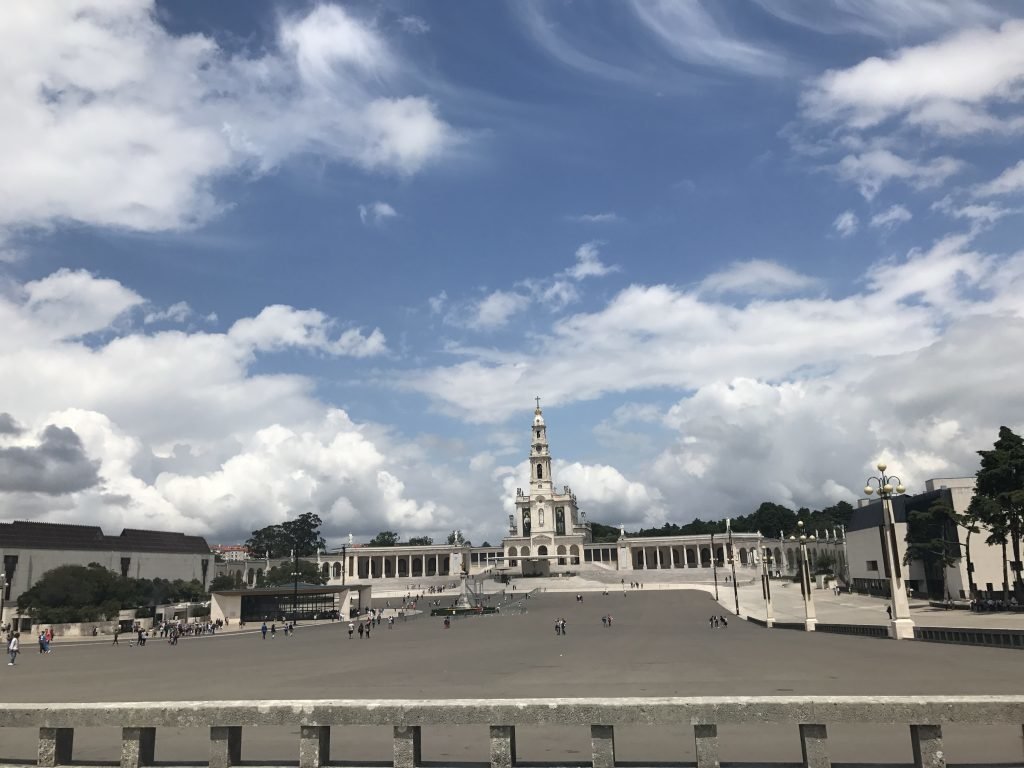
55	746
926	741
225	746
643	557
407	746
705	739
814	745
138	747
602	746
314	746
658	551
503	746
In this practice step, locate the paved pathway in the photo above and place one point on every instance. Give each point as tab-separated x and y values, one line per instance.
660	644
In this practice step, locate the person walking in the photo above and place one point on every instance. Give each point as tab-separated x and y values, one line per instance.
263	630
13	648
351	629
361	630
117	632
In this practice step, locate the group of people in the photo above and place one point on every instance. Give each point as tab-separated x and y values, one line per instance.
606	620
717	621
44	639
988	604
560	627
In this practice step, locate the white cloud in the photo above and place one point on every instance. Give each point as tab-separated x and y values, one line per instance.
376	213
757	278
278	327
437	302
111	120
414	25
691	33
227	449
891	217
495	310
1008	182
595	218
954	86
875	168
588	263
178	312
881	18
846	224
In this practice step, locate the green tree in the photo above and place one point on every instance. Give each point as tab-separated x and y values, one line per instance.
282	575
1001	478
457	535
384	539
420	541
224	582
604	534
931	539
268	542
301	535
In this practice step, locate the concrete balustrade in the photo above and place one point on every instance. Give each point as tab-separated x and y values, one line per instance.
315	719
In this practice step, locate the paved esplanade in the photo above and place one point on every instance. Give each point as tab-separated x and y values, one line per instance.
659	644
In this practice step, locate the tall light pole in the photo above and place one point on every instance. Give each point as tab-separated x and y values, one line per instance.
810	617
732	562
766	585
3	594
901	626
714	564
295	588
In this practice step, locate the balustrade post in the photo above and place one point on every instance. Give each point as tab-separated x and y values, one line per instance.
55	746
927	743
814	745
705	737
602	746
503	746
225	746
314	746
138	747
408	747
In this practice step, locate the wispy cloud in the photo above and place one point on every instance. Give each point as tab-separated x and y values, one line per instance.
595	218
757	278
414	25
846	224
891	217
376	213
1009	181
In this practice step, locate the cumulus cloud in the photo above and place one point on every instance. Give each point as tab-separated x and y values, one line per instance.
757	278
56	465
846	224
376	213
225	450
955	86
588	263
111	119
891	217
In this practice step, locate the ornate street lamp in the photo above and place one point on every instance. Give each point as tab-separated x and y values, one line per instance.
714	564
732	562
766	584
901	625
810	617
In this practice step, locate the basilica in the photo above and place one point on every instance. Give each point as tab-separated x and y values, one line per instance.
547	527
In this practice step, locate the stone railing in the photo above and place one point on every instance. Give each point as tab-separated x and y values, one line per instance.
314	719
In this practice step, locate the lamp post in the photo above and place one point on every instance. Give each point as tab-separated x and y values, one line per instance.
766	585
714	564
295	588
3	594
901	626
732	562
810	617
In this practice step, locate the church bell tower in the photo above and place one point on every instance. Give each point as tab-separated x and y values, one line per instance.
540	455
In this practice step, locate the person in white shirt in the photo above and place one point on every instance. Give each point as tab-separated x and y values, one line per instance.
13	648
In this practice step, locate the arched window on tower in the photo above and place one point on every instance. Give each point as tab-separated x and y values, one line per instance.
540	472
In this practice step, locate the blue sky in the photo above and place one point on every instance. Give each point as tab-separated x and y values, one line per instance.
263	258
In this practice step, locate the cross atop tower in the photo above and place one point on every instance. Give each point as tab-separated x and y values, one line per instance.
537	398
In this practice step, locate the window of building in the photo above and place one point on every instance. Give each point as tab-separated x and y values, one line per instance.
540	474
872	565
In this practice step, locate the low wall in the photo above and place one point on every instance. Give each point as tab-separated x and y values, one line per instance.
993	638
313	719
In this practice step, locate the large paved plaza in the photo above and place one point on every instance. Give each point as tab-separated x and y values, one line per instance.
659	645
